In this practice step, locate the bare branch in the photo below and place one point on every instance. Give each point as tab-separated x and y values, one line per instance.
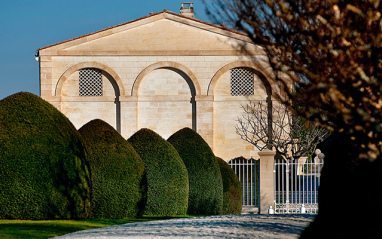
330	50
292	137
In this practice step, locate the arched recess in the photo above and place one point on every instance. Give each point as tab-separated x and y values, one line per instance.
167	64
82	109
227	108
260	73
166	93
93	64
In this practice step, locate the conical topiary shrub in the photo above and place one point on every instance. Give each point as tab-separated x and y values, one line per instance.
206	187
167	179
232	191
117	173
43	167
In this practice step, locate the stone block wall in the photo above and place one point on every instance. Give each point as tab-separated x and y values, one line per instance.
164	72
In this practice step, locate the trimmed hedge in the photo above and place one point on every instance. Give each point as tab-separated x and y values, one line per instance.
167	178
232	191
43	167
117	173
206	187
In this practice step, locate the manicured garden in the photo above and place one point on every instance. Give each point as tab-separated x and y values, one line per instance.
56	179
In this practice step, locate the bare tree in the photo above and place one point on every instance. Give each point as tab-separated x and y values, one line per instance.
332	51
292	137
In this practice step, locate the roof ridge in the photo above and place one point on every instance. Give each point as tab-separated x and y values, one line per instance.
144	17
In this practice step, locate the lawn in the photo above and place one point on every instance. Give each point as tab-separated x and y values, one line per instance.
12	229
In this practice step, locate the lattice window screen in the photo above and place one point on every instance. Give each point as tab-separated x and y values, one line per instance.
242	81
90	82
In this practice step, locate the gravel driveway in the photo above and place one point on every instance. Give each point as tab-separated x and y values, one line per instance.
231	226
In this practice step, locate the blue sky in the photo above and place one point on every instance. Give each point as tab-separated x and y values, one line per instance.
26	25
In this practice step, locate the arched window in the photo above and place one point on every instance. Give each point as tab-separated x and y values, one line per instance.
90	82
242	80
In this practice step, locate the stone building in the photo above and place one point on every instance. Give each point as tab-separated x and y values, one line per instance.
164	71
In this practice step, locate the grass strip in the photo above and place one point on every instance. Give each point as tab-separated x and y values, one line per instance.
16	229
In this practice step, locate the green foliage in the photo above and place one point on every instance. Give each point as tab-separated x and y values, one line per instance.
206	187
117	173
43	167
167	178
232	191
41	229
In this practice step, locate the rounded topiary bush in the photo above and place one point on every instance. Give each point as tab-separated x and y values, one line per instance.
117	173
206	187
232	191
167	179
43	167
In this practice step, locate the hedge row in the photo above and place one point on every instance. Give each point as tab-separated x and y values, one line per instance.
167	178
43	168
232	190
48	172
206	188
118	173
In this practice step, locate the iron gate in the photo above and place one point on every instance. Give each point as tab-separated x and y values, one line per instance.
296	186
248	171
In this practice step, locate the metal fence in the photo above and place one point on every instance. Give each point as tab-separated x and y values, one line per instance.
296	186
248	171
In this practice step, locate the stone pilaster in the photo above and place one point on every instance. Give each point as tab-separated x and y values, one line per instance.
129	116
204	118
267	184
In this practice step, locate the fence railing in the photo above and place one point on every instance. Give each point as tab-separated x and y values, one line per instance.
248	172
296	186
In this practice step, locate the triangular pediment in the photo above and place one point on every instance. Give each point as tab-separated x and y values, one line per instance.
164	33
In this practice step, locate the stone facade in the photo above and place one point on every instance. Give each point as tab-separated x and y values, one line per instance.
164	71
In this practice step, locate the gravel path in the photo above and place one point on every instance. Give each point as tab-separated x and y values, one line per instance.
231	226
